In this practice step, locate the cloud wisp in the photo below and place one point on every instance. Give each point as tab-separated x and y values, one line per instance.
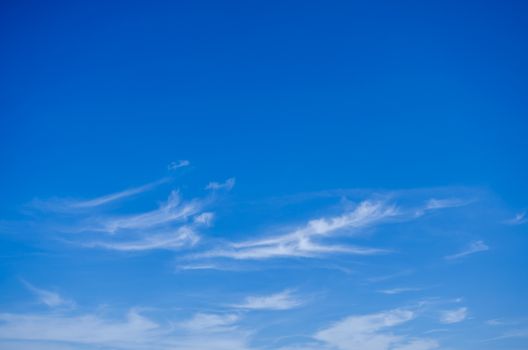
284	300
49	298
227	185
401	290
184	236
454	316
179	164
518	219
71	205
134	331
174	224
474	247
173	210
373	332
306	241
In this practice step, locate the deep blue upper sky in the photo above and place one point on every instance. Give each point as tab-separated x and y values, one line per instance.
301	102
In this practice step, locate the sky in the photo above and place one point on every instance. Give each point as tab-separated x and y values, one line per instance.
263	175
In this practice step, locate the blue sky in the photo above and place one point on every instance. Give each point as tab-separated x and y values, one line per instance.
263	175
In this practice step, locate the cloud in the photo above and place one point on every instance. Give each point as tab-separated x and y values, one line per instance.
48	298
204	218
474	247
133	332
228	184
372	332
434	203
179	164
173	210
454	316
514	333
303	241
279	301
181	237
205	323
518	219
71	205
399	290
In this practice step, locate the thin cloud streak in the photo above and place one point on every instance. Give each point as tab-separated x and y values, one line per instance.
66	205
301	242
518	219
134	331
373	332
48	298
454	316
284	300
179	164
394	291
173	210
474	247
227	185
182	237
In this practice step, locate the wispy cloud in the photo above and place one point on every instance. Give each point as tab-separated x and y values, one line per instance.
400	290
474	247
211	322
373	332
49	298
135	331
181	237
434	203
518	219
173	210
179	164
513	333
66	205
304	241
454	316
279	301
227	185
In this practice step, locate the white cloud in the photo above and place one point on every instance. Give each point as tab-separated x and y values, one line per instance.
454	316
49	298
399	290
71	205
474	247
205	323
514	333
279	301
419	344
518	219
179	164
434	203
173	210
134	332
302	242
204	218
228	184
178	238
373	332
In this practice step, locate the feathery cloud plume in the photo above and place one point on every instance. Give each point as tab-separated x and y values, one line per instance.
518	219
181	237
134	332
49	298
302	242
474	247
72	205
372	332
454	316
228	185
179	164
173	210
279	301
